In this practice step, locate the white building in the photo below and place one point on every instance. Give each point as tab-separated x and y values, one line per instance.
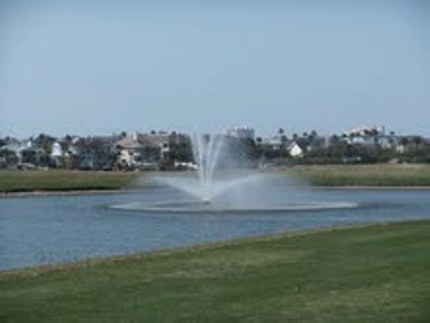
295	150
56	150
240	132
365	130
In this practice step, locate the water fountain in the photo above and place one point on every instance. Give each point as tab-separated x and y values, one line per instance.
216	187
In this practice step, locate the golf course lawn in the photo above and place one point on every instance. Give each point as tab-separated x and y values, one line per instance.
376	273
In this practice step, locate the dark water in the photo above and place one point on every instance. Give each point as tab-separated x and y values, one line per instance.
45	230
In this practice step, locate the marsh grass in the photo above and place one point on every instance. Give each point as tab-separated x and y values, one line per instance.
378	273
328	175
364	175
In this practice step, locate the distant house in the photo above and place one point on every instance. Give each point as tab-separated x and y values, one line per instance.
401	148
141	150
372	136
99	153
130	151
295	150
240	132
365	131
388	142
18	152
12	144
273	143
56	150
156	146
9	154
57	154
91	153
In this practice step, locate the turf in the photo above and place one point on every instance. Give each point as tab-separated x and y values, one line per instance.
378	273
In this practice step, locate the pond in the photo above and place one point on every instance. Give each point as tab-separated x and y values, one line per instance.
55	229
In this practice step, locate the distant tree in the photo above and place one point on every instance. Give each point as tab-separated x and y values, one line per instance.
311	137
45	142
417	142
65	143
8	157
334	140
404	141
29	156
284	140
179	151
281	131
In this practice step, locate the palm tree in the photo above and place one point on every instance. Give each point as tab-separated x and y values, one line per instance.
334	139
284	140
404	141
417	140
314	133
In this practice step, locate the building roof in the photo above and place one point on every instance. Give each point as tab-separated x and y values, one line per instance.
136	141
129	142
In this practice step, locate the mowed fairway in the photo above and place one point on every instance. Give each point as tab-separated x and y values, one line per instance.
378	273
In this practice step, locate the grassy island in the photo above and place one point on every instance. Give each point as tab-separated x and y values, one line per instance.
378	273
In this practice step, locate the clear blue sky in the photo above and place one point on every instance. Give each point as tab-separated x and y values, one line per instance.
108	66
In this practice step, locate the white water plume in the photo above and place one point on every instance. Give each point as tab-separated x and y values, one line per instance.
208	152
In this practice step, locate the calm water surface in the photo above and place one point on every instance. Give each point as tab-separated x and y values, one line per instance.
54	229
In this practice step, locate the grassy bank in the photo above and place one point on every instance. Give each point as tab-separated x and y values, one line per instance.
364	175
371	274
343	175
57	180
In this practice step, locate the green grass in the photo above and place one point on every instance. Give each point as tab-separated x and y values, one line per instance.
348	175
58	180
378	273
365	175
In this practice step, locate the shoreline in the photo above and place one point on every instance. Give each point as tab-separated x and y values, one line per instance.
41	193
373	187
199	247
314	277
60	193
